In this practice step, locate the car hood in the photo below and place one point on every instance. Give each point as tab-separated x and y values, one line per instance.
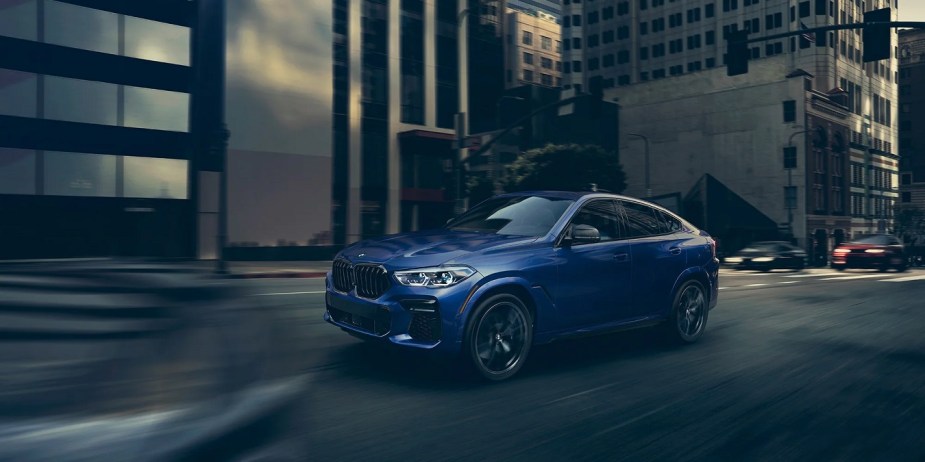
430	248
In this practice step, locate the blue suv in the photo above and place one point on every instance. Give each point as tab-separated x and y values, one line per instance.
527	268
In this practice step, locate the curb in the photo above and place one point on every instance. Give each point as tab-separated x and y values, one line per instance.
280	275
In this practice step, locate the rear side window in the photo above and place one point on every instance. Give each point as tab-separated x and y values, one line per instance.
642	220
672	224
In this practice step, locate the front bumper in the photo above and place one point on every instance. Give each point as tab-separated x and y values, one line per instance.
413	317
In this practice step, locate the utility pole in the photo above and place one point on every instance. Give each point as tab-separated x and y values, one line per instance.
646	142
461	125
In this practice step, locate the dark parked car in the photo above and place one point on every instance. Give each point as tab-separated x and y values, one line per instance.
876	251
768	255
527	268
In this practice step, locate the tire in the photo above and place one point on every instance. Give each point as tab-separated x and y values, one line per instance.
498	337
689	312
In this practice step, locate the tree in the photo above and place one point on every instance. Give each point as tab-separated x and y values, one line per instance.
909	225
569	167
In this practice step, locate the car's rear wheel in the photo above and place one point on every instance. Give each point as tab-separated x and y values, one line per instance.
688	318
499	336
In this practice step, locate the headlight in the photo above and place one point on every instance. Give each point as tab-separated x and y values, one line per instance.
874	251
841	251
434	277
763	259
734	260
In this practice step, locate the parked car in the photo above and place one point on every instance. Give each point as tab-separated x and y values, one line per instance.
877	251
527	268
768	255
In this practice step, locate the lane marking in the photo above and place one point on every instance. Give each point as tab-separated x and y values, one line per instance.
755	285
721	288
812	275
290	293
904	279
632	421
847	278
788	282
580	393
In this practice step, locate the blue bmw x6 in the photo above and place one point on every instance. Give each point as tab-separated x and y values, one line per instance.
527	268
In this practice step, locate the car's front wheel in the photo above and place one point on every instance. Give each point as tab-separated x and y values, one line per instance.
688	313
499	336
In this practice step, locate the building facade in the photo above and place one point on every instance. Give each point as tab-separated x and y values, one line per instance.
839	113
911	137
532	49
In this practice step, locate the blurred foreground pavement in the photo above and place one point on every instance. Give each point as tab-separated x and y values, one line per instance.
110	360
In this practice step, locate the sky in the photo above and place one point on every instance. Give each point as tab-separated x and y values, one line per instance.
912	10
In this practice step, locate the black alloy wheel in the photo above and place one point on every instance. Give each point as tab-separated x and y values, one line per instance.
688	318
499	336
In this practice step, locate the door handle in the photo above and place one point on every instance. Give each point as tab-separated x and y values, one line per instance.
621	257
675	251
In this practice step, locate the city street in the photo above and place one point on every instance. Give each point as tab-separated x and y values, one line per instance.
815	365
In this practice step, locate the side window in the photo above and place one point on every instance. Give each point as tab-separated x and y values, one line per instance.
601	214
672	224
641	220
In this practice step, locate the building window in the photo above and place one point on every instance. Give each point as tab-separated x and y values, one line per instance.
528	58
790	111
804	9
528	75
545	63
527	38
709	10
906	197
546	79
545	42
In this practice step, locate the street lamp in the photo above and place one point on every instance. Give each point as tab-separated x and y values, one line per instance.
646	142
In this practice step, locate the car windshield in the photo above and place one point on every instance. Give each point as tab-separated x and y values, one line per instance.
518	215
878	239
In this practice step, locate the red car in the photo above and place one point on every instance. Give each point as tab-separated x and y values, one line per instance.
876	251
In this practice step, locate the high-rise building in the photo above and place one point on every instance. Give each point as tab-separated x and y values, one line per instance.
911	119
824	171
532	49
112	119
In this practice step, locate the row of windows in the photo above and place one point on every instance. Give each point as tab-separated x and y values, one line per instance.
90	29
545	63
881	179
545	42
97	175
85	101
881	207
545	79
636	220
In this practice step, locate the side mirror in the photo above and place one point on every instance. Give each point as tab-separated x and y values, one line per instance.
583	234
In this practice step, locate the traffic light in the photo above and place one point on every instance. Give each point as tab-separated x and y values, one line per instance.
737	53
877	43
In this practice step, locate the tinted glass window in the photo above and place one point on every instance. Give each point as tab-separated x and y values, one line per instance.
672	224
641	220
878	239
601	214
519	215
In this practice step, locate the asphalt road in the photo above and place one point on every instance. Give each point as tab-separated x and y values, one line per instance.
815	365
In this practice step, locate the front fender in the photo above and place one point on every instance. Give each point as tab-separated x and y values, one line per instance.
543	308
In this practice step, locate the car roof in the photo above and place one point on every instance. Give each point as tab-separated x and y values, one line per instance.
574	195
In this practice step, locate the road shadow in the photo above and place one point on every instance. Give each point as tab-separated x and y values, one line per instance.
381	362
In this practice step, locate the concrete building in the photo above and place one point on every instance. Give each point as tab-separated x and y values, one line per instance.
911	137
664	62
340	115
532	54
